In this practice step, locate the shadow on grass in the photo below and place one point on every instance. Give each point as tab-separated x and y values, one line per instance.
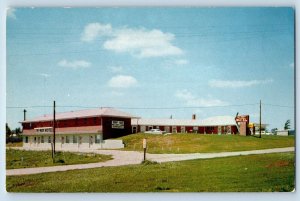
256	136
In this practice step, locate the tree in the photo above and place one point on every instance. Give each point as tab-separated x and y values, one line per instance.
8	131
273	130
17	131
287	125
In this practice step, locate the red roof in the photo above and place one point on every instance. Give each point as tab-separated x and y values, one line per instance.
81	114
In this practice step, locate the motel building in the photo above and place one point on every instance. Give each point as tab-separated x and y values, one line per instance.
212	125
83	129
97	128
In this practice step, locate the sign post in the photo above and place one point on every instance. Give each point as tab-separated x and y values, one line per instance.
144	147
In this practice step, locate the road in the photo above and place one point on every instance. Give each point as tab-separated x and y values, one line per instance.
133	157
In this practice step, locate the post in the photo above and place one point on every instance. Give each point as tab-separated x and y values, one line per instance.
52	154
145	147
260	119
54	125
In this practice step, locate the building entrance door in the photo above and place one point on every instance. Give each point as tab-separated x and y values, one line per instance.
174	129
219	130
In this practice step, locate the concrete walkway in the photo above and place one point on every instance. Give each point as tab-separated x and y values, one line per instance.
133	157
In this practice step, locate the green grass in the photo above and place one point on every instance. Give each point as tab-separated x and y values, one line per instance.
253	173
192	143
26	159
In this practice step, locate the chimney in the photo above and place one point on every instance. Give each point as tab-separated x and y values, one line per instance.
194	116
24	114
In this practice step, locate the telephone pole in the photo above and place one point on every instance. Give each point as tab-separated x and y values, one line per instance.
260	119
54	125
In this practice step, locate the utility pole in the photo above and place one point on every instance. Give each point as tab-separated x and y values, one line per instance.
260	119
54	125
24	114
144	147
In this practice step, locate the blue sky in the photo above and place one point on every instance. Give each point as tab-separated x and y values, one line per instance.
207	61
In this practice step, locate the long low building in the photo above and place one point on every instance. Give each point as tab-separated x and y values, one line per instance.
96	128
212	125
78	129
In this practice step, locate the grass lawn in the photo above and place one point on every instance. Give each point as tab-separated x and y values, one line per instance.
267	172
43	158
192	143
15	144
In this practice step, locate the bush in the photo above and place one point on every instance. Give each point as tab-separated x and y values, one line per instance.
13	139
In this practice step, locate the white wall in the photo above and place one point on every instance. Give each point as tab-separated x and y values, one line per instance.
86	143
282	133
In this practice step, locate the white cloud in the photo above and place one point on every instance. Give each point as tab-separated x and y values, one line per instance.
237	83
122	81
181	61
11	13
143	43
93	30
138	42
74	64
116	69
194	101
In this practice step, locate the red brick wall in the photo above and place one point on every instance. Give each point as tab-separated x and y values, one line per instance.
109	132
189	129
201	130
78	122
234	130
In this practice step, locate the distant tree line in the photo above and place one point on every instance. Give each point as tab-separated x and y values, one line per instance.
13	135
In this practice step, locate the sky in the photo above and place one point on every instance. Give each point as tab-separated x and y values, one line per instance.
152	62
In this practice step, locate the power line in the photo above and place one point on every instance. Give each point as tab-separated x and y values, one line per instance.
147	108
135	108
273	105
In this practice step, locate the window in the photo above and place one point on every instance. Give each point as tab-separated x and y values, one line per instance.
95	120
49	139
210	128
26	139
67	139
74	139
97	139
42	139
34	139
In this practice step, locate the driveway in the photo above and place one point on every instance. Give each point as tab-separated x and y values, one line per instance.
133	157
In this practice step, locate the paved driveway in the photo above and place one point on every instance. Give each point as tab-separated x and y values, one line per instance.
134	157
